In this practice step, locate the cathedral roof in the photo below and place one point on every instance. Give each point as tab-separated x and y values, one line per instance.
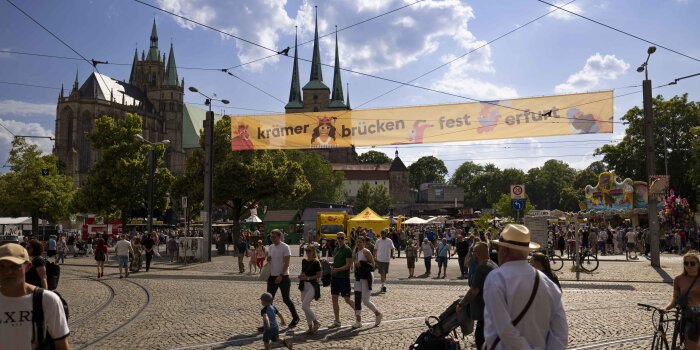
397	164
192	121
100	86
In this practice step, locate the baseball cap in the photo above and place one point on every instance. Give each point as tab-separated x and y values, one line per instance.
14	253
266	297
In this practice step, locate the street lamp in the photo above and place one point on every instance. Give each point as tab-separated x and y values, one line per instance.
652	210
151	175
208	170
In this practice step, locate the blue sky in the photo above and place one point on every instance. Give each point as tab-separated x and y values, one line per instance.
559	53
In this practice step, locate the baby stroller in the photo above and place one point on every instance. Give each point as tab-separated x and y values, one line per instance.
80	249
438	337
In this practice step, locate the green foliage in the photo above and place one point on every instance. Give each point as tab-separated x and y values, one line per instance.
483	185
694	173
375	197
673	121
426	169
545	184
25	191
505	209
118	181
569	199
242	178
373	157
326	185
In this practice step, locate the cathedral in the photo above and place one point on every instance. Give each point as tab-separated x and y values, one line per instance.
153	91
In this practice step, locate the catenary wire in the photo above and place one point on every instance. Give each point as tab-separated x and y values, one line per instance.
619	30
30	85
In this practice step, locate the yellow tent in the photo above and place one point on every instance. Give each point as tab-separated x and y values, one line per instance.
368	219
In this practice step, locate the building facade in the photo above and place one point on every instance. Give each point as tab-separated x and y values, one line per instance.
153	91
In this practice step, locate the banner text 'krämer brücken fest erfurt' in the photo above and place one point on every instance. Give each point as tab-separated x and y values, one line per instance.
586	113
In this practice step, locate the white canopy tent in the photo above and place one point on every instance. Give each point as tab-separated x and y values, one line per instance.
415	221
253	218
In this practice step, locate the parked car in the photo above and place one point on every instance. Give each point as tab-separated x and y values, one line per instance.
9	239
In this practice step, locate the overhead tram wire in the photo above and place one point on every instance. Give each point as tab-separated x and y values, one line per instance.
464	55
90	62
30	85
619	30
519	157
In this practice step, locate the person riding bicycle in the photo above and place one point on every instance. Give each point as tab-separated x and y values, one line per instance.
686	296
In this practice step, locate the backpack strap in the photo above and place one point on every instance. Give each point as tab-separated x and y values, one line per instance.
525	309
38	331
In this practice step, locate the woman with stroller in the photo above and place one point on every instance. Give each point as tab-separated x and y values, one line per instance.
364	265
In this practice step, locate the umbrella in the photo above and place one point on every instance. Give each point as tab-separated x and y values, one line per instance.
415	221
253	218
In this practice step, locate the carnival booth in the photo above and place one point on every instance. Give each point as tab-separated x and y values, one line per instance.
368	219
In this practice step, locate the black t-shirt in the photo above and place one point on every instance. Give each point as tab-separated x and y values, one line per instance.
32	276
310	268
148	242
476	307
462	248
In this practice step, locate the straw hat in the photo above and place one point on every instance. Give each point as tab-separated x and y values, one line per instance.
516	237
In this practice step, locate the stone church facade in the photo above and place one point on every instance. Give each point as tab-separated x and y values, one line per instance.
153	91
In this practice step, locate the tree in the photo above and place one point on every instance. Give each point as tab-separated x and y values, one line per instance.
242	179
373	157
426	169
504	207
34	185
464	177
375	197
588	176
695	168
544	184
673	121
569	199
118	182
326	185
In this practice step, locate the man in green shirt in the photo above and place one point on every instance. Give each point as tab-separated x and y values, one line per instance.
340	276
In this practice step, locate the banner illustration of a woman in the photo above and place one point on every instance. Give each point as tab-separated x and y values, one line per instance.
323	135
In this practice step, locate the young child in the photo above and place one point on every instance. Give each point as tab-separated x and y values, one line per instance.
270	328
252	263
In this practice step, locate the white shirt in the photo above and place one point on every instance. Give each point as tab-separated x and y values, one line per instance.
506	291
383	248
631	236
277	254
16	320
122	247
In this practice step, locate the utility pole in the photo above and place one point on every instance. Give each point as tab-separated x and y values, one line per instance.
651	161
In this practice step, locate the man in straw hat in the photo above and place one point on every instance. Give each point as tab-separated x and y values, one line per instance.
523	308
16	305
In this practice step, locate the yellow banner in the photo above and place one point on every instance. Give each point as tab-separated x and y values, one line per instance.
587	113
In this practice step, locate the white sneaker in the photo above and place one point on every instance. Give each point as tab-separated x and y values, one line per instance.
357	324
335	324
378	319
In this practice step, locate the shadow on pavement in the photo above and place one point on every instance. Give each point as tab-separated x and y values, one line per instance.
664	275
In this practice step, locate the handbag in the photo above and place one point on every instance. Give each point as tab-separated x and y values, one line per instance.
264	273
525	309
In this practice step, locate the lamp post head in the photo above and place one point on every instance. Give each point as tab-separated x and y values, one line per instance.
139	137
640	69
651	50
225	102
165	142
193	89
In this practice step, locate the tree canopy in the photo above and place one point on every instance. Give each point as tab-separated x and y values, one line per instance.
426	169
373	157
375	197
674	120
34	186
118	181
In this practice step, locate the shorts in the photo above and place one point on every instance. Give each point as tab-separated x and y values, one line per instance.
340	286
123	260
442	261
382	267
411	262
272	334
631	245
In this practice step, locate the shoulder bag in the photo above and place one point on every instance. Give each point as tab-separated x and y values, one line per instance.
525	309
265	272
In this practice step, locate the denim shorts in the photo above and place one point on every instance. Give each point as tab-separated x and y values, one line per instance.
123	260
272	334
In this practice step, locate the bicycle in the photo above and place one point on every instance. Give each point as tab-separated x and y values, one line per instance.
587	260
556	262
666	317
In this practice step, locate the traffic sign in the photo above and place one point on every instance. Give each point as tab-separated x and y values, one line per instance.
184	201
517	191
518	204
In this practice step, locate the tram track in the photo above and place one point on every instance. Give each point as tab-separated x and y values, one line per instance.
100	308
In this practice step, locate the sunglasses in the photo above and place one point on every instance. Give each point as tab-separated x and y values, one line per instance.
340	238
310	250
689	263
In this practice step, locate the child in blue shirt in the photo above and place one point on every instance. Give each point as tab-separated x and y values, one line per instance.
270	328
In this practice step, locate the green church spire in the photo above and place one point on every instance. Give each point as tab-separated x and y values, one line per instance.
133	66
316	78
171	70
337	98
153	52
294	91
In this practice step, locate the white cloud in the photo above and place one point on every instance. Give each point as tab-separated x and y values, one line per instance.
21	128
563	15
457	80
597	68
21	108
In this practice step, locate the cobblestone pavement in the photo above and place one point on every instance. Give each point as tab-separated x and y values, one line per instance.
207	306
